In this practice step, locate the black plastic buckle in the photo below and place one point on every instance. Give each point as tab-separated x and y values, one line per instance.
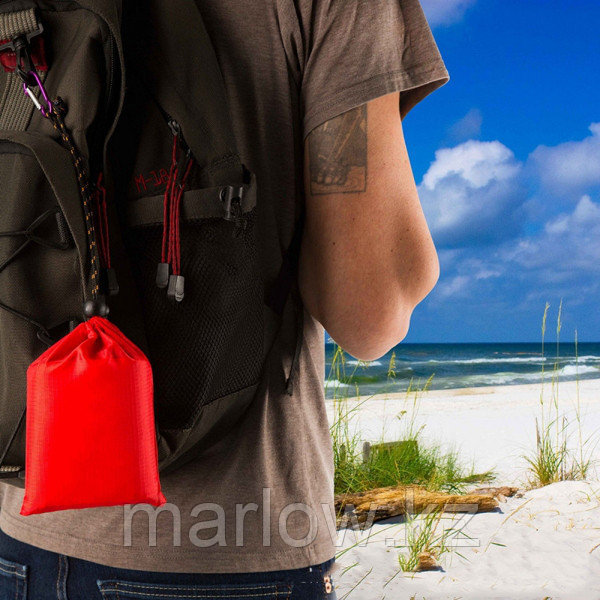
21	46
232	196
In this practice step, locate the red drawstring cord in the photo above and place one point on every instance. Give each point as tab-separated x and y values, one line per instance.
166	203
175	222
170	266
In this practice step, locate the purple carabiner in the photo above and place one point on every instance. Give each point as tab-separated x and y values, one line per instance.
45	110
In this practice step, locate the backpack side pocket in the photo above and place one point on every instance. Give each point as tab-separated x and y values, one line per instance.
43	277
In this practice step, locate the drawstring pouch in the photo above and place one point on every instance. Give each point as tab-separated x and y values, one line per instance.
90	430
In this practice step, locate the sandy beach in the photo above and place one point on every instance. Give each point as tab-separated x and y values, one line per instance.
539	544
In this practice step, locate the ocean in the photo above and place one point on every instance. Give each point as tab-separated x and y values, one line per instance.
462	365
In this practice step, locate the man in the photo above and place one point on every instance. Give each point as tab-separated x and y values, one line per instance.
317	90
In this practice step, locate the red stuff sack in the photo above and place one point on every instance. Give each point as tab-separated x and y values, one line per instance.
90	432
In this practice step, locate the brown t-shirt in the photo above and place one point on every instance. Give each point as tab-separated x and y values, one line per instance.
289	65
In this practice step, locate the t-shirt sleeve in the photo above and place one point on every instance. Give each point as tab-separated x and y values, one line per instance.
348	52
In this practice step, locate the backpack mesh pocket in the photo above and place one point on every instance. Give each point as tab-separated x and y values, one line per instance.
209	345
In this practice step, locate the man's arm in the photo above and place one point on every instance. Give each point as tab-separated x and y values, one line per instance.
367	255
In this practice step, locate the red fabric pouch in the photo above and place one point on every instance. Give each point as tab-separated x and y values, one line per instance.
90	431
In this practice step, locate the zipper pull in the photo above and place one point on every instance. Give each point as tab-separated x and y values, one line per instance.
163	271
185	153
176	289
168	272
174	127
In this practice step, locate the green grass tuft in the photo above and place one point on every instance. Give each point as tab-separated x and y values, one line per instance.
556	457
413	462
422	536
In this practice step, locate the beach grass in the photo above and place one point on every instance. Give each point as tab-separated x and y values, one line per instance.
561	452
424	538
411	462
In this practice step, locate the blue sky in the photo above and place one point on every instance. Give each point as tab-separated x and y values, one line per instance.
507	159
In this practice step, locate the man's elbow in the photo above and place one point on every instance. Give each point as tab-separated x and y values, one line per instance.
371	338
370	327
429	274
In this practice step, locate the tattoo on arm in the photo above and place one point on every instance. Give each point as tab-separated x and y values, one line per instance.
338	154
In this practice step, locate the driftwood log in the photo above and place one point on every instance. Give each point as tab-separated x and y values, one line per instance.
382	503
502	493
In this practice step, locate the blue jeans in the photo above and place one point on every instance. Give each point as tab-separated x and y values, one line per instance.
28	573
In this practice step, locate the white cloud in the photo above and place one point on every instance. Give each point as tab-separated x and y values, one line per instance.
478	163
455	287
467	189
514	233
562	260
586	215
488	274
568	246
571	164
445	12
466	272
468	127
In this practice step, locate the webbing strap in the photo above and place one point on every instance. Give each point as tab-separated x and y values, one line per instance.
203	203
13	24
15	107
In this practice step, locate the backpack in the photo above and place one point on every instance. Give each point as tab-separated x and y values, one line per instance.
175	263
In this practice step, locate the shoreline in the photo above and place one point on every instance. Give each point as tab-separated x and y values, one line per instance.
476	389
494	389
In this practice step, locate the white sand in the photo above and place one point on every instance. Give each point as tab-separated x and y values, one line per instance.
547	544
491	426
